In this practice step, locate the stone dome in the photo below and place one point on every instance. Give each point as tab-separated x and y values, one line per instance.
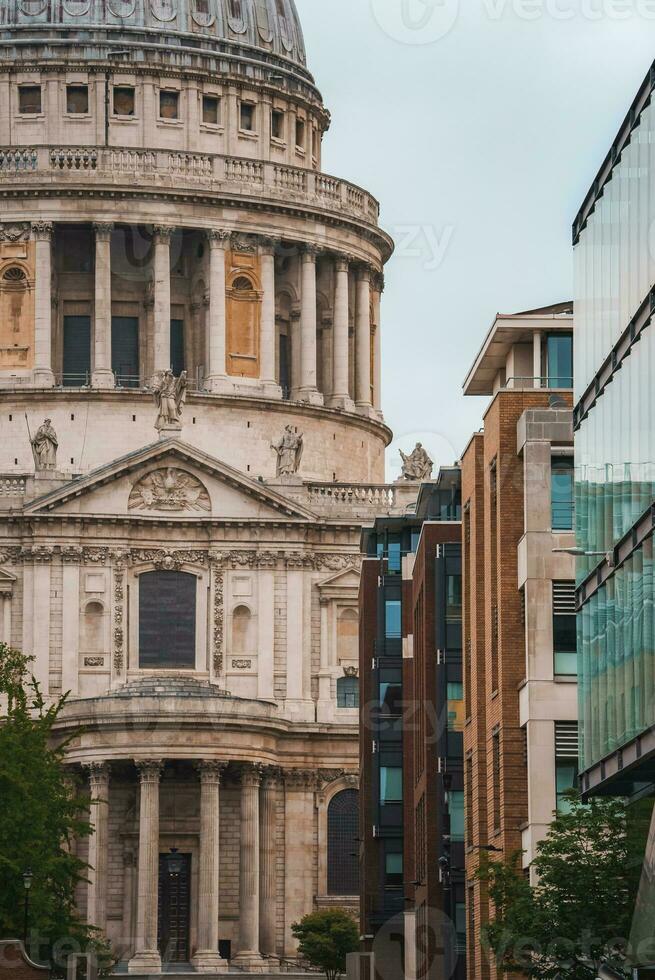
267	26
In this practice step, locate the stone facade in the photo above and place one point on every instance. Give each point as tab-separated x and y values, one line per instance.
164	210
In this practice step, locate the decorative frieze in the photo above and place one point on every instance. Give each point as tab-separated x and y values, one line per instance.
119	619
218	635
18	232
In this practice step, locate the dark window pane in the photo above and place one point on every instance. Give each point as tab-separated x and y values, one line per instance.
29	99
343	826
348	692
210	110
125	350
247	117
567	779
77	99
391	784
560	361
393	619
562	494
393	865
167	620
123	101
77	351
277	124
169	105
177	347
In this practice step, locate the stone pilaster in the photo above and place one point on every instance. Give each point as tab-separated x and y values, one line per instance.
42	232
162	312
98	845
146	958
308	341
341	371
249	957
207	958
268	373
217	379
268	868
103	376
363	339
299	790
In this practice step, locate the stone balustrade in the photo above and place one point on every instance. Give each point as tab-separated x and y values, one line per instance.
356	498
174	169
12	486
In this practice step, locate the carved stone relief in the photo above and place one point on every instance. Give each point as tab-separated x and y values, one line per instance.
169	490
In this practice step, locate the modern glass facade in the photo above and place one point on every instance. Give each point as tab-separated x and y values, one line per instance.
615	445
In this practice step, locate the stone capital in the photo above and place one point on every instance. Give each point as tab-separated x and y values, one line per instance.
268	245
300	779
98	773
377	281
211	770
251	775
103	230
219	238
310	252
43	231
150	770
163	234
364	272
271	777
342	261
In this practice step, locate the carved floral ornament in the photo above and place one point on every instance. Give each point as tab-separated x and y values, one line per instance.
169	490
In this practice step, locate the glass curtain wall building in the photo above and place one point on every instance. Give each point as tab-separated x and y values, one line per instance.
615	461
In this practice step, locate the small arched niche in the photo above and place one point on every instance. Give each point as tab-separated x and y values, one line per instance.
242	631
348	635
92	628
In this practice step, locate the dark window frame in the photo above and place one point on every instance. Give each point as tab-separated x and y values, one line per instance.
167	620
24	91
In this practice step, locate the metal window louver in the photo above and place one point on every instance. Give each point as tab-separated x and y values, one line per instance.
566	739
564	598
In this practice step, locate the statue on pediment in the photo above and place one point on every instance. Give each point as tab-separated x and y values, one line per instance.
44	447
417	466
170	397
289	449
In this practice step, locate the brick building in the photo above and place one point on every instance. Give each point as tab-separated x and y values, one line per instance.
412	789
520	738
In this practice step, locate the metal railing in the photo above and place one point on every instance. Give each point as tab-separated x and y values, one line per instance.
173	169
528	381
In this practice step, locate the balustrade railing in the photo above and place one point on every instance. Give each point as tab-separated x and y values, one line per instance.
12	486
214	170
373	497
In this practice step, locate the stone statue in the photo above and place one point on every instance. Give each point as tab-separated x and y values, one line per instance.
44	447
170	397
418	465
289	451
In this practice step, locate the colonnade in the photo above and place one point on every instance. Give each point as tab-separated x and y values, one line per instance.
306	387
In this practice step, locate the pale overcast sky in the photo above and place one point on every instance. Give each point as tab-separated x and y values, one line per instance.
480	125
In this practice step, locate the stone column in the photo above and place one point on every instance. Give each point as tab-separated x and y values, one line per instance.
536	358
268	372
207	958
217	380
299	788
341	374
363	339
325	703
146	958
249	957
308	391
103	376
377	381
268	870
98	845
42	232
162	276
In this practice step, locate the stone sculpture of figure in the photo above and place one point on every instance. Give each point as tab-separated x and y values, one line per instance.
289	452
44	447
170	397
418	465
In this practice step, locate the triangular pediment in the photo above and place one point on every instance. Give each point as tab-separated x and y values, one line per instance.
170	481
341	583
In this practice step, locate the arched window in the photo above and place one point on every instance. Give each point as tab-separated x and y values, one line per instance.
348	635
243	326
242	641
167	620
92	639
348	692
343	827
14	275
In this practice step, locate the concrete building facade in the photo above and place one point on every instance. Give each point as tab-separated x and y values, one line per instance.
187	565
520	667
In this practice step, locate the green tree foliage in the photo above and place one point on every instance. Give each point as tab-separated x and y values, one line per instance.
41	815
325	938
578	916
